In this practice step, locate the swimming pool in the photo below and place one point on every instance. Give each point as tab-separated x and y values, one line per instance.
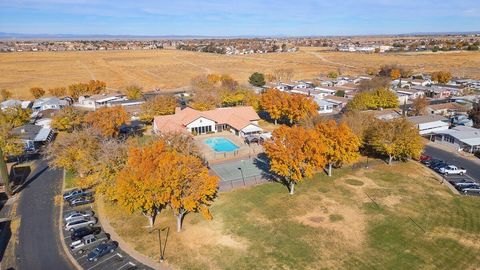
219	144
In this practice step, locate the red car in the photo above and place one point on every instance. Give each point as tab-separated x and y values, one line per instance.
425	158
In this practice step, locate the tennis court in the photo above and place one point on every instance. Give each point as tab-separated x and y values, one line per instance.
233	170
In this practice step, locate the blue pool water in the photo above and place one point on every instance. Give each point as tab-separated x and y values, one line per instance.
219	144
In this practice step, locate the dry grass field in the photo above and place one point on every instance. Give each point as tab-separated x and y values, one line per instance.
169	69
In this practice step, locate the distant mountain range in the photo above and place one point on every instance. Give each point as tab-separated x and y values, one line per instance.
21	36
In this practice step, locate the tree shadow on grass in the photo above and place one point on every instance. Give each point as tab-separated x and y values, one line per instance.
263	163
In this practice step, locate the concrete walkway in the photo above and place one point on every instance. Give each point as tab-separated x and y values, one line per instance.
122	243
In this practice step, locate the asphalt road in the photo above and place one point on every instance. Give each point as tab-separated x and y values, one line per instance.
39	246
473	169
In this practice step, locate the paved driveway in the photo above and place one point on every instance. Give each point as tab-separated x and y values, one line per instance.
39	246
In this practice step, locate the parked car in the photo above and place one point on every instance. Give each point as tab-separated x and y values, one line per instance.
472	191
463	182
74	193
100	251
464	187
77	215
452	169
433	162
84	231
425	159
82	201
73	225
88	242
439	165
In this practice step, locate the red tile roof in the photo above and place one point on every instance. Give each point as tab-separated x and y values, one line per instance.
236	117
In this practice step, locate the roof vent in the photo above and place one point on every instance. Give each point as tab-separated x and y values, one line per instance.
22	130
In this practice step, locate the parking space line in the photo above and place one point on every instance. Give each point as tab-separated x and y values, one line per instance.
127	264
98	263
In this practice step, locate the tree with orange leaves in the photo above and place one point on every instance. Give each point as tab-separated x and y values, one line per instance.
157	176
191	187
295	153
107	120
395	74
342	144
140	185
299	107
272	103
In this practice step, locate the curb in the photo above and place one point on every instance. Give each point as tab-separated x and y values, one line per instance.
60	231
107	228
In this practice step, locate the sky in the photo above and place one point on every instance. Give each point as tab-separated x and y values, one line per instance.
239	17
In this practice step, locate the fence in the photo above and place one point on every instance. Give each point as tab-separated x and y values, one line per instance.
227	185
242	182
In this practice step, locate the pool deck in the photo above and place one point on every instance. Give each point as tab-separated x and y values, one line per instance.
244	151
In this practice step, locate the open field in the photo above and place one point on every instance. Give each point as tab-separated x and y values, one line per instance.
400	218
168	69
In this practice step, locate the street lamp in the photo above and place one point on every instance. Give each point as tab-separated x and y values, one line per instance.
162	252
243	177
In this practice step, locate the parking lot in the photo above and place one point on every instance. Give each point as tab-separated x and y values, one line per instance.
117	260
450	158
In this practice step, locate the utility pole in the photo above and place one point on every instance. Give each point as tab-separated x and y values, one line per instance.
4	174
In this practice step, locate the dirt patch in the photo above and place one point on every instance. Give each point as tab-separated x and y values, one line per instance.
210	234
390	201
351	227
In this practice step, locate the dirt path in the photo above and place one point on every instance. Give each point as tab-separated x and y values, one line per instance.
92	76
205	69
321	57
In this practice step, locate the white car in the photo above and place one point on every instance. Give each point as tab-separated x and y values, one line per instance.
77	215
452	169
72	225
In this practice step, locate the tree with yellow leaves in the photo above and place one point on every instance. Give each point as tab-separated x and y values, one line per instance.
441	76
75	151
5	94
58	91
37	92
295	153
397	139
67	119
134	92
158	105
385	98
342	145
107	120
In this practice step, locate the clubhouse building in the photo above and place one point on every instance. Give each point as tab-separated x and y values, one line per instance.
241	121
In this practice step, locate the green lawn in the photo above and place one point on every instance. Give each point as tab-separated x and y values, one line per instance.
70	180
387	217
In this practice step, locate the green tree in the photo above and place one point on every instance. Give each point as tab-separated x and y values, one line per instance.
257	79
